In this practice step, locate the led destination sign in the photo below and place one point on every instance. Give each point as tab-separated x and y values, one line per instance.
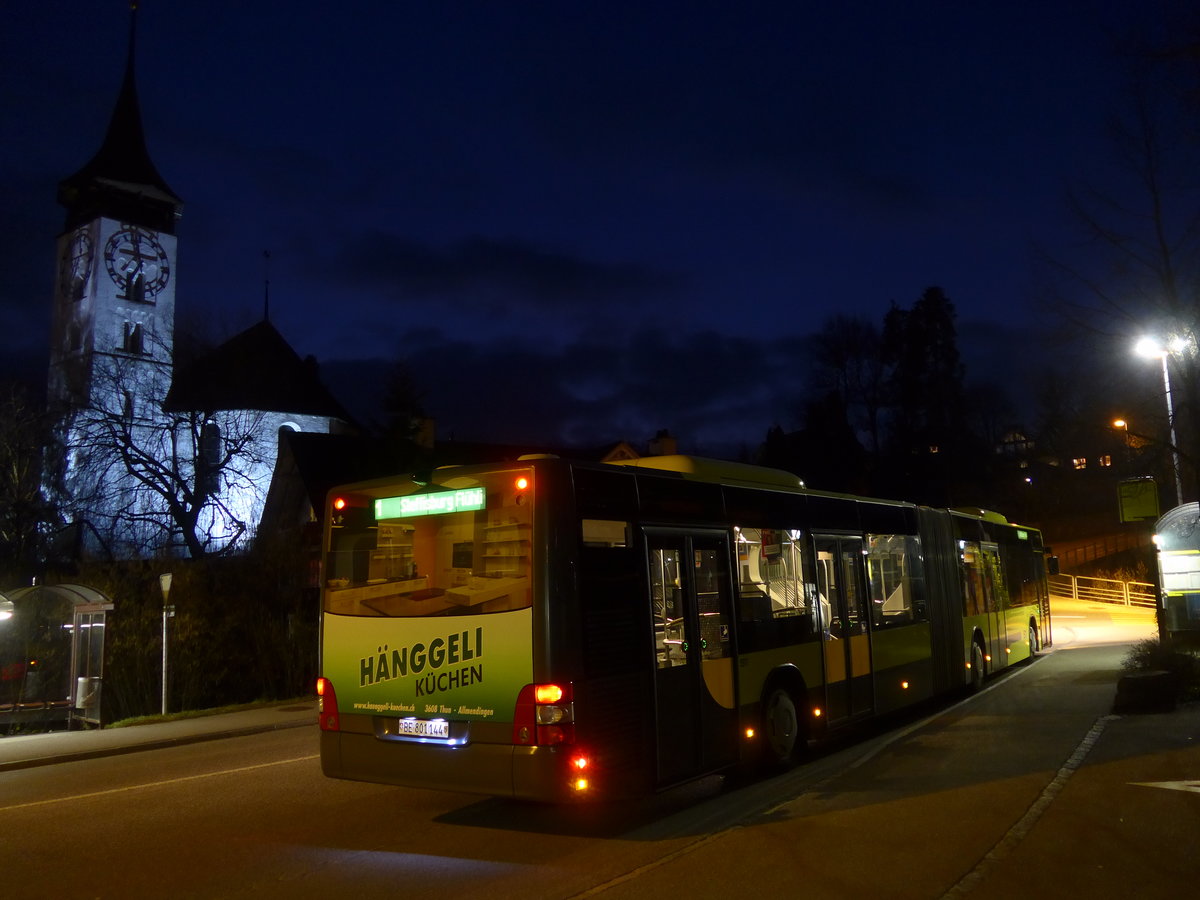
462	500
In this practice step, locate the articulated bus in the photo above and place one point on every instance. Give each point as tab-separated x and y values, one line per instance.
554	630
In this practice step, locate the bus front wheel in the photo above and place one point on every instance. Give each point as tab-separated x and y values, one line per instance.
781	729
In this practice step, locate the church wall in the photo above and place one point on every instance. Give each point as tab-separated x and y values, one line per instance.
248	503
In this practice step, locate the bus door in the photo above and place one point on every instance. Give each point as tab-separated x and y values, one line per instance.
843	599
996	594
690	590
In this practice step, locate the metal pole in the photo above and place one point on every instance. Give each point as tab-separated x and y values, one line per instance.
164	661
1171	426
164	582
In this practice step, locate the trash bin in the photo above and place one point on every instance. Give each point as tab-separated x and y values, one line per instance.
87	698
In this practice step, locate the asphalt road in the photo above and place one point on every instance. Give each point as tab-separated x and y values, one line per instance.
1029	787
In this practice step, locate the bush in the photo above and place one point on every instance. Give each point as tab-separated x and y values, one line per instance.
244	629
1153	655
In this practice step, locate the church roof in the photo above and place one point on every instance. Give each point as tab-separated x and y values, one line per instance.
121	180
257	370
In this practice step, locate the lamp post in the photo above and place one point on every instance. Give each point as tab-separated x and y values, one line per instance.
1124	426
1150	347
164	582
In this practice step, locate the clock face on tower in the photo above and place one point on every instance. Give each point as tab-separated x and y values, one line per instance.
76	265
137	263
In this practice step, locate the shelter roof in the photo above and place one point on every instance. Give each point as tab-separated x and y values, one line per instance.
78	594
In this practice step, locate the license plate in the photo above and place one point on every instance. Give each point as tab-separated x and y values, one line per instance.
425	728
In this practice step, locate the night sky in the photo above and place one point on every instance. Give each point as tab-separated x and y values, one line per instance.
575	221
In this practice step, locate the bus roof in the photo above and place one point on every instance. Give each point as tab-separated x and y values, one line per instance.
988	515
723	471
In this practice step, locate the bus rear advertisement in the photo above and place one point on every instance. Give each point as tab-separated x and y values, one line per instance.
558	630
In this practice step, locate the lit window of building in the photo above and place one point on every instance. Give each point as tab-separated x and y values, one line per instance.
1079	462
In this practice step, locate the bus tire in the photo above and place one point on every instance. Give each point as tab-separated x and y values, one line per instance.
977	667
783	734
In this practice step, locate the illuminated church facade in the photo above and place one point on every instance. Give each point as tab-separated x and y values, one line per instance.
150	457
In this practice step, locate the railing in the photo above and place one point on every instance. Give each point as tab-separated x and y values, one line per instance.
1105	590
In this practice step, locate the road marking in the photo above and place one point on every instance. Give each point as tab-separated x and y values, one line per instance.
1193	786
150	784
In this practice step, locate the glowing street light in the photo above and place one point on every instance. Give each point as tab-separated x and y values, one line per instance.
1124	426
1150	347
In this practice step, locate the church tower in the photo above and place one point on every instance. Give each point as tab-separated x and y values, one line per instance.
115	288
111	341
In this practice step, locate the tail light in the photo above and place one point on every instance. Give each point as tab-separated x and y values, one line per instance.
545	716
580	783
327	709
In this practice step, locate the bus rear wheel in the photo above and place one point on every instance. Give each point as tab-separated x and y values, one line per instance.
977	667
782	731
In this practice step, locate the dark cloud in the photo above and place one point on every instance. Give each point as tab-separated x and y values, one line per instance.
713	392
538	275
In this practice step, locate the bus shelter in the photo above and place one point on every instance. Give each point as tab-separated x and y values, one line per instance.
1177	536
51	657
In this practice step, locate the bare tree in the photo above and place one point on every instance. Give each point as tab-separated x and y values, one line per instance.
140	481
1139	272
847	360
22	510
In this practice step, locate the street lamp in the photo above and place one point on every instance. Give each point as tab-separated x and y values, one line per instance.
1149	347
164	583
1124	426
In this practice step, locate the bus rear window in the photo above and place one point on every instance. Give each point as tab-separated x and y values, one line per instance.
461	547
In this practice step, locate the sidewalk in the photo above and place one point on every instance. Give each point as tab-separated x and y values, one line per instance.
1124	824
26	751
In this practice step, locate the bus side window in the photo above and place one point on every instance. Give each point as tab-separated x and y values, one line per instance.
896	578
974	591
604	533
773	606
667	595
611	582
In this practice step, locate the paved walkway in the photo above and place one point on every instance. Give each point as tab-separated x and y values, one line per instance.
24	751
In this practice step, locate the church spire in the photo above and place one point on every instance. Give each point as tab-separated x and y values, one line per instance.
121	181
266	285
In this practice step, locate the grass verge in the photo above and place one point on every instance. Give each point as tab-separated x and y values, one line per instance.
200	713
